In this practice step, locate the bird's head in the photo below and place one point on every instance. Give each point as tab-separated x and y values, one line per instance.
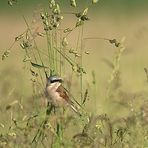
53	79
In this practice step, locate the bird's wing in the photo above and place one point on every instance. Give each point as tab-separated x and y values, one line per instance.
63	93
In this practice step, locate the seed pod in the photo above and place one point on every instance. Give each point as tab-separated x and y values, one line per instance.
53	3
40	34
84	18
52	21
46	22
42	15
50	6
56	25
71	50
56	10
64	42
87	52
27	58
22	45
67	30
77	55
33	73
25	44
74	68
19	37
73	3
85	11
78	14
10	3
5	54
58	18
46	14
46	28
117	44
50	27
27	36
79	22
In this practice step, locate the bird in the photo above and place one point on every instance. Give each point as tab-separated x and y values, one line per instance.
57	95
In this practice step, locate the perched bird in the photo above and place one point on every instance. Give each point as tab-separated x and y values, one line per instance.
57	95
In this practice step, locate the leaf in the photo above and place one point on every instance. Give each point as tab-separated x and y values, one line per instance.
38	66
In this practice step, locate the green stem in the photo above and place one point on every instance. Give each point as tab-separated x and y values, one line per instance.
35	46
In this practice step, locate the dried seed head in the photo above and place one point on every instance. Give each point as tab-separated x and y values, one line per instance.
42	15
64	42
52	4
22	45
84	18
12	134
56	25
87	52
74	68
79	22
80	70
73	3
19	37
67	30
114	41
85	11
25	44
5	54
117	44
46	14
10	3
33	73
59	18
45	22
40	34
27	58
50	27
27	36
56	10
78	14
71	50
77	55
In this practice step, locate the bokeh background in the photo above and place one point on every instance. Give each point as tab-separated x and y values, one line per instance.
112	19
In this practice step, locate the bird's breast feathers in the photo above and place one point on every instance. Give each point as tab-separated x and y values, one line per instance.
56	94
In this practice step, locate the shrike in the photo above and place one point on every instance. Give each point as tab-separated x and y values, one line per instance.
57	95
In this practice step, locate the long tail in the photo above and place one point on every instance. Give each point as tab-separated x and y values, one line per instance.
75	109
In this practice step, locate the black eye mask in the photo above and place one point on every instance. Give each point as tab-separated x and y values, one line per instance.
58	80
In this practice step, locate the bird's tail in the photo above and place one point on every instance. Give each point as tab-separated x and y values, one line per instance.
75	109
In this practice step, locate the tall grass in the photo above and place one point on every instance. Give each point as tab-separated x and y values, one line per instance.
43	126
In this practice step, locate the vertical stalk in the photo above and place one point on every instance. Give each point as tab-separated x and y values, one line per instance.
36	47
81	64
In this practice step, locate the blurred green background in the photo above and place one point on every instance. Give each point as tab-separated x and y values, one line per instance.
112	19
118	6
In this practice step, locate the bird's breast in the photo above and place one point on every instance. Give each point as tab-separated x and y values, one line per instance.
53	96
